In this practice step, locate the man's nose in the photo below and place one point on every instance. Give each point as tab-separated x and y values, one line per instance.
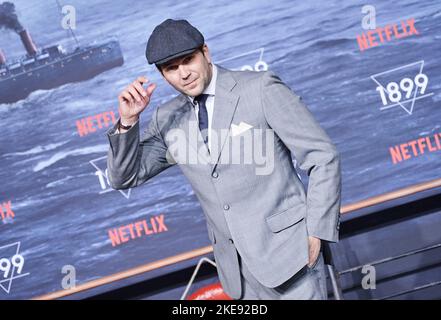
184	73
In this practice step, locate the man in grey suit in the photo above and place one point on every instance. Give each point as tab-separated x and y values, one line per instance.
266	231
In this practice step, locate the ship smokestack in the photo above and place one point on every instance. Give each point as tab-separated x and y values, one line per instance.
8	17
2	57
9	20
30	46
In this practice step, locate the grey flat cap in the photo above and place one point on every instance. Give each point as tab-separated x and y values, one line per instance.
172	39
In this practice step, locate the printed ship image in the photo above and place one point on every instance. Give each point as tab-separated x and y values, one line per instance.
51	66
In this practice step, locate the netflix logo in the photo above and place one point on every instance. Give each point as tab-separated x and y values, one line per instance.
415	148
380	35
143	228
6	213
93	123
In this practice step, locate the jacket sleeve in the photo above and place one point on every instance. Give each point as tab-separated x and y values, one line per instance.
294	124
132	161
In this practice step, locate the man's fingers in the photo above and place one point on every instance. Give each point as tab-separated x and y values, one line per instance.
127	96
142	80
312	259
134	93
314	250
140	89
150	89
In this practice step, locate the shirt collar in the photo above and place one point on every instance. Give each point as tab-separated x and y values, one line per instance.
211	88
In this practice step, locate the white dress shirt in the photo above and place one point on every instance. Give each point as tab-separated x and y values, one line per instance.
210	90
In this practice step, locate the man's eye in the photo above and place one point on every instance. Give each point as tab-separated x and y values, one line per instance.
171	68
188	59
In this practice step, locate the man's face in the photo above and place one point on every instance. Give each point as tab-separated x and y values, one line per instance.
189	74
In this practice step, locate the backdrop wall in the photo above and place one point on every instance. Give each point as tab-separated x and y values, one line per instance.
376	92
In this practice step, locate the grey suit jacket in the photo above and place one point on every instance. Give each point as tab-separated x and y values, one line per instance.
265	215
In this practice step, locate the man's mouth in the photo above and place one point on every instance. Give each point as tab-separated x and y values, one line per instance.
186	85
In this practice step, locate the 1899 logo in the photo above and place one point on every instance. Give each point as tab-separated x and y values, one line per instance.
11	265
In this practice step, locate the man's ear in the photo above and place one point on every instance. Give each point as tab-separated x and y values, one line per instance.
206	52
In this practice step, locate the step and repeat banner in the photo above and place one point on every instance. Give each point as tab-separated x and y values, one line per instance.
368	71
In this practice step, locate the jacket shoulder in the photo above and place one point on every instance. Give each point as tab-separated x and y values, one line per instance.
247	76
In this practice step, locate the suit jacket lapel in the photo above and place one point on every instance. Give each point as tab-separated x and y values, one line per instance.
225	103
186	121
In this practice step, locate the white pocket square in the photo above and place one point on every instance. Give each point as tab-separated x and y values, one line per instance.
239	129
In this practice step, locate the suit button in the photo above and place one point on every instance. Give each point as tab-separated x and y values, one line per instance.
226	207
231	241
215	174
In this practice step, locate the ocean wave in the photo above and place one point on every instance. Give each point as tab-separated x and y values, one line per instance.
330	43
35	97
75	152
58	182
37	149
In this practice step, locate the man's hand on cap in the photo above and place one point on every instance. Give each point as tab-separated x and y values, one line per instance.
134	99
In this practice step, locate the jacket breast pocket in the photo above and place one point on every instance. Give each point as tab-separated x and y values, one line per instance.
286	218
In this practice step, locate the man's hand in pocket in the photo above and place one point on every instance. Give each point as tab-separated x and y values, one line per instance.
314	249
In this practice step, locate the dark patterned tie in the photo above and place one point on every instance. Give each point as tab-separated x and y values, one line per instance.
203	115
